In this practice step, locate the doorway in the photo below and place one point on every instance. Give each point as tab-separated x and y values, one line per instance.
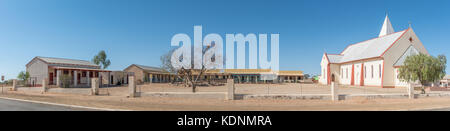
332	78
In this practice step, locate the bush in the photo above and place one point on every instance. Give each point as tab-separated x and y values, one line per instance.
66	81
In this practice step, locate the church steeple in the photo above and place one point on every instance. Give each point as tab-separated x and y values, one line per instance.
387	27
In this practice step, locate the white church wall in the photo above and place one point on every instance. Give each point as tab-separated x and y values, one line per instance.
357	74
323	75
373	72
334	70
398	82
345	77
395	52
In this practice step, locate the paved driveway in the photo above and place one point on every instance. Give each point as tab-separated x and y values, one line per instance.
13	105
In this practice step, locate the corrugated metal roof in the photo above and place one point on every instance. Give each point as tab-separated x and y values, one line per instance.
290	73
87	69
333	58
366	49
66	61
150	68
254	71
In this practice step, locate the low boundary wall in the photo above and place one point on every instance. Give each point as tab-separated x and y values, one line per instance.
80	91
343	96
199	95
29	89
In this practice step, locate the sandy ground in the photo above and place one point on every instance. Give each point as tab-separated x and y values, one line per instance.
177	104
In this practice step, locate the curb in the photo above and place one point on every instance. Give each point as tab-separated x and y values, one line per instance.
66	105
426	109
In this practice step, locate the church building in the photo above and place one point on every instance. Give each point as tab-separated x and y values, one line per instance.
374	62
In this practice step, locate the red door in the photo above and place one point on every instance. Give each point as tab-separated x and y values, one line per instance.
50	78
78	78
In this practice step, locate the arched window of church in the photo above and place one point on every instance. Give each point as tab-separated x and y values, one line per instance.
379	70
372	70
365	72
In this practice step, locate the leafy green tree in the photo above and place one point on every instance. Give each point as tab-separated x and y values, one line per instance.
23	76
423	68
101	58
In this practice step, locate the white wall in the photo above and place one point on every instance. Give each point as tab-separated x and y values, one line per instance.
373	77
346	70
396	51
39	70
323	75
358	73
398	82
346	76
334	70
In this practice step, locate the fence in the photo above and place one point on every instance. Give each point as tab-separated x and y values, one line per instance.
280	88
283	90
261	89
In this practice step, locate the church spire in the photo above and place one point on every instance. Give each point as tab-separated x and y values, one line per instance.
387	27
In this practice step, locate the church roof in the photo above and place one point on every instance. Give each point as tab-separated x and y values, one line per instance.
334	58
366	49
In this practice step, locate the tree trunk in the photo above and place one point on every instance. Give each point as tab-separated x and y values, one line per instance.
423	89
193	87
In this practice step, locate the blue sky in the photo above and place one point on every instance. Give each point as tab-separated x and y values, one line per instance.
139	31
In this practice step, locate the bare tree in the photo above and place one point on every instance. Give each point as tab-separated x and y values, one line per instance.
191	76
166	65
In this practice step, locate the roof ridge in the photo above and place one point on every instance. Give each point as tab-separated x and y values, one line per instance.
146	66
61	58
335	54
371	39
